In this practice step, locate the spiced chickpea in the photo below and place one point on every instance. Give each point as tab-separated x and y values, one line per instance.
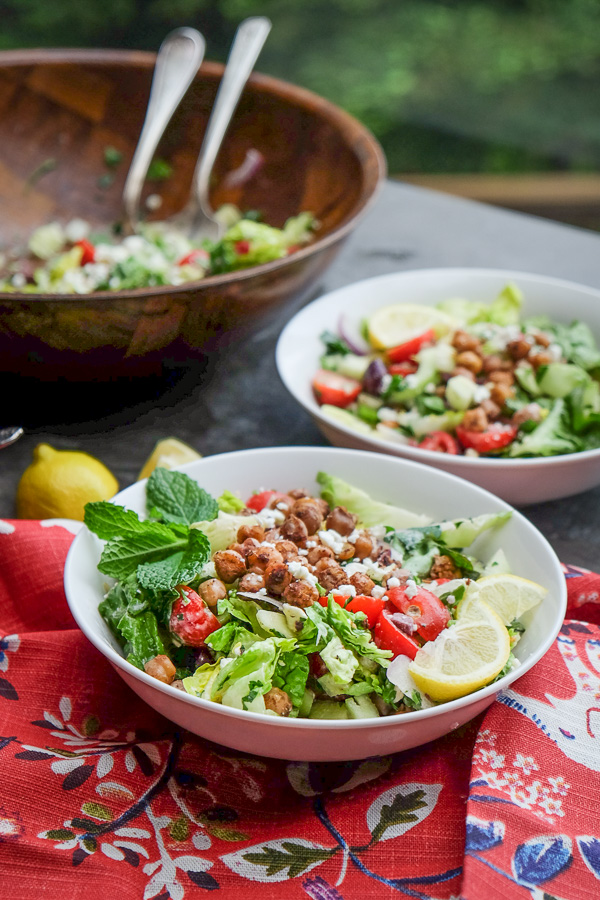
178	684
530	413
294	529
250	531
500	377
541	358
249	546
363	546
161	668
229	565
340	520
288	550
470	360
495	363
542	339
212	591
277	577
347	552
273	535
298	493
491	409
475	419
500	393
309	512
278	701
317	553
252	582
519	348
362	583
300	593
463	341
262	556
330	574
323	506
460	370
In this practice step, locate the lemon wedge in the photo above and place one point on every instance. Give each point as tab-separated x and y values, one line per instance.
510	596
168	453
463	658
393	325
58	483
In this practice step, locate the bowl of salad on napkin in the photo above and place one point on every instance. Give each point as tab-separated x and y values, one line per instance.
314	603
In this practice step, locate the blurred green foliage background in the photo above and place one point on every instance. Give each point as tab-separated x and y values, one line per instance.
510	85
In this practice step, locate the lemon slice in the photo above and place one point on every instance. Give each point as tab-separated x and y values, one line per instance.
168	453
463	658
393	325
510	596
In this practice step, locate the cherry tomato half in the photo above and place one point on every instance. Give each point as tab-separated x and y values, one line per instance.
403	368
429	613
496	437
404	351
440	442
88	251
335	389
191	619
257	502
388	636
242	247
370	606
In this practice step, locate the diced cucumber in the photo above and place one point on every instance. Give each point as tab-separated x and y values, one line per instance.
328	709
361	708
348	364
460	392
559	379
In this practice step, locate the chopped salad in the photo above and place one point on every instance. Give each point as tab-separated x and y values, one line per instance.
75	259
466	378
326	607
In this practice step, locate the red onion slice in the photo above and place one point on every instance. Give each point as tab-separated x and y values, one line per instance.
350	331
253	163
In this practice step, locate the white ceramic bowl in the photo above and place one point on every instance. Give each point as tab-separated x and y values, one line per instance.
399	481
519	481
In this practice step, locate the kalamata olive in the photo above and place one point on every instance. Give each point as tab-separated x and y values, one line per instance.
373	377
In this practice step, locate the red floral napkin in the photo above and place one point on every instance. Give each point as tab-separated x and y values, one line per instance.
103	798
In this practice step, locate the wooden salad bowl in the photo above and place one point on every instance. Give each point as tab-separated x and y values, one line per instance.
61	109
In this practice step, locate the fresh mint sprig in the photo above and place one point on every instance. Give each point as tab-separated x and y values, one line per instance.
175	497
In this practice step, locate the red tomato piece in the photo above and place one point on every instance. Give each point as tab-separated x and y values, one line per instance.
242	247
370	606
258	501
388	636
429	613
335	389
440	442
495	437
404	351
194	256
403	368
88	251
191	619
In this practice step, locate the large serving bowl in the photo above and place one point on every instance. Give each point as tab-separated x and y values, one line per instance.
399	481
519	481
62	108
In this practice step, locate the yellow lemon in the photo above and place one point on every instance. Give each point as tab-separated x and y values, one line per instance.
463	658
58	484
393	325
510	596
168	453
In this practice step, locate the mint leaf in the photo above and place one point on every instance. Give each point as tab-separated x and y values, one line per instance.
142	638
178	498
176	568
122	555
109	521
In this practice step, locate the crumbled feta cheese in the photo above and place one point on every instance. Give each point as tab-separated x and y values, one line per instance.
332	539
311	544
555	352
411	381
393	582
450	599
301	573
353	537
348	590
302	552
354	568
429	388
378	592
386	414
411	589
481	393
282	506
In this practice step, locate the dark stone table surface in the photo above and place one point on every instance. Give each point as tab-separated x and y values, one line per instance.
235	400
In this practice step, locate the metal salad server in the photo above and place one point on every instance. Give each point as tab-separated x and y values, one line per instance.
9	435
197	218
177	62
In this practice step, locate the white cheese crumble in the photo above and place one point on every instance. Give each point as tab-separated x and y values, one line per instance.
348	590
302	552
378	592
481	393
393	582
301	573
386	414
411	589
332	539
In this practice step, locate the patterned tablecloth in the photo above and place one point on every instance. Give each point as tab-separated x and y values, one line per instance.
103	798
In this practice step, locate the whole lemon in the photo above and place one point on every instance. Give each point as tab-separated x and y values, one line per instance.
58	484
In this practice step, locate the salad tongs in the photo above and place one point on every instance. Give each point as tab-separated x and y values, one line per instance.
177	62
